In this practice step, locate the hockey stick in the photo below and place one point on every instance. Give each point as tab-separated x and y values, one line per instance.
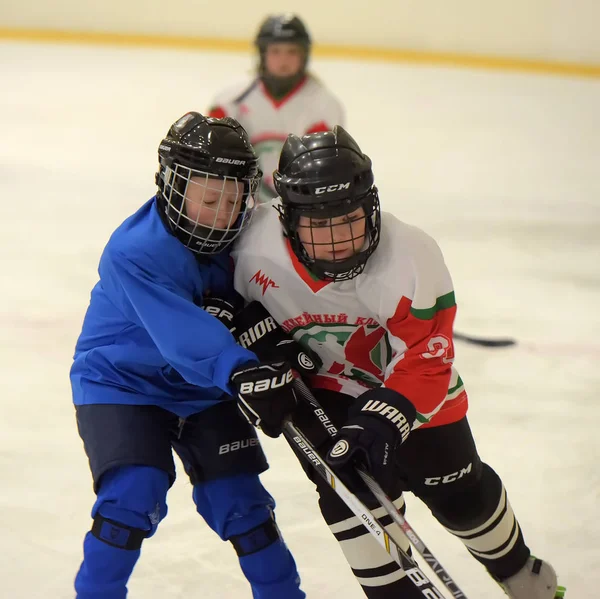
413	537
384	500
360	510
485	342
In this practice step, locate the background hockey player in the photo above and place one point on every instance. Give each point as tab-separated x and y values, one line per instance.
373	299
282	97
152	370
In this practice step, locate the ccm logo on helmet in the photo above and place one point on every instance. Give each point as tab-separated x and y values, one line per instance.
328	188
229	160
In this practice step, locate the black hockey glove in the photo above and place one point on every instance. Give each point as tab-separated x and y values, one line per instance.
378	423
221	309
257	331
265	394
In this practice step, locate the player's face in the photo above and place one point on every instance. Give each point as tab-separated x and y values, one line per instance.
284	59
333	239
213	202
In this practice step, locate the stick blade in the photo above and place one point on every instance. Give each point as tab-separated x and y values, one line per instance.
486	342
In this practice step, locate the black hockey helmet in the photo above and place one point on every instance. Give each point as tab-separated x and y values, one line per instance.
286	28
322	176
208	152
282	28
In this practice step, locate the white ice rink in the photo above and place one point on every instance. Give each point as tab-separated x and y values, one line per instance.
503	169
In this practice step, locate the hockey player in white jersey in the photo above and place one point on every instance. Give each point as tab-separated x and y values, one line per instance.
372	297
282	97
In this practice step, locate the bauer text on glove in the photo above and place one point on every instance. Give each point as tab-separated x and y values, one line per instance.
265	394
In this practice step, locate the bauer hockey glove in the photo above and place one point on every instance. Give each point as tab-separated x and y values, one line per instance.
377	424
266	395
257	331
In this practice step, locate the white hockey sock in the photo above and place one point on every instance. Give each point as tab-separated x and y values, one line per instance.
371	565
495	537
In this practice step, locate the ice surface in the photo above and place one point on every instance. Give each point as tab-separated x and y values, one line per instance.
501	168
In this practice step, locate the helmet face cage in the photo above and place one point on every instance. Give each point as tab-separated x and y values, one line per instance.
204	210
335	239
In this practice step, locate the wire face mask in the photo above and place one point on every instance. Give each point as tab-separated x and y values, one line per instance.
207	212
207	178
334	240
329	207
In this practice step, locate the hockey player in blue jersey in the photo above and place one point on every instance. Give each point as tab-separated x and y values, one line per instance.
154	365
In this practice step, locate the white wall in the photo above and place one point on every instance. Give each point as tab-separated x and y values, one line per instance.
559	30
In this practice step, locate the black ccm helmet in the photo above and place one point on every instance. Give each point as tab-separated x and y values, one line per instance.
207	152
322	176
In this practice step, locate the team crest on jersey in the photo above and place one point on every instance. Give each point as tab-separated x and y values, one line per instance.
358	352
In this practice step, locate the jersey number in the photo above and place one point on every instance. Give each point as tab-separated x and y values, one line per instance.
439	347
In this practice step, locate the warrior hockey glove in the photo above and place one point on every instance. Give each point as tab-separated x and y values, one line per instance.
378	423
265	394
257	331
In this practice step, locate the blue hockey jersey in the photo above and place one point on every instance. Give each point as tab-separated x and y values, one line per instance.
144	339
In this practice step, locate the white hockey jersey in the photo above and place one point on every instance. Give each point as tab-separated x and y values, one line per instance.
308	108
391	325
